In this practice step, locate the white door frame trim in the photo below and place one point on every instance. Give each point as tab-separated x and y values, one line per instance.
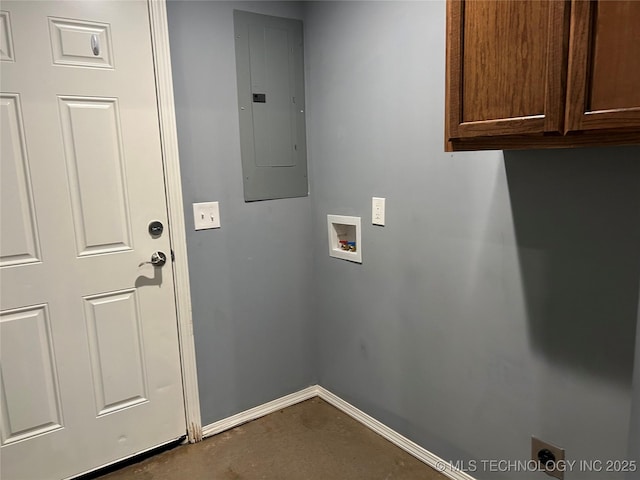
175	210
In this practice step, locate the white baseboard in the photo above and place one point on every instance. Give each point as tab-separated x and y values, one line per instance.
259	411
394	437
381	429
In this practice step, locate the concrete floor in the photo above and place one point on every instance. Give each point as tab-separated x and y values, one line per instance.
308	441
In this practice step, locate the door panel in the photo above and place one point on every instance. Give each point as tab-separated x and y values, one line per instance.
89	362
491	65
271	56
604	65
504	67
71	43
18	240
6	40
115	342
95	167
616	71
28	365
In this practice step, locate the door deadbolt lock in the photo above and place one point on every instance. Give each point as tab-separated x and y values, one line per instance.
156	228
158	259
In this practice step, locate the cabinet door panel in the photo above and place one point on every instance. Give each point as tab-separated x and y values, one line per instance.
604	65
504	67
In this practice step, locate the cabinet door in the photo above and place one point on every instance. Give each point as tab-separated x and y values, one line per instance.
504	67
603	90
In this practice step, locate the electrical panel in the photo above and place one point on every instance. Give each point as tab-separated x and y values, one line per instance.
271	106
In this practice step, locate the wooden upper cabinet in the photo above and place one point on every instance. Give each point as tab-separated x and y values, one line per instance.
603	89
504	67
542	73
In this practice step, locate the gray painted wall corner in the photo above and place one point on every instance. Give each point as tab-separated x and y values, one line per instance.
250	280
499	301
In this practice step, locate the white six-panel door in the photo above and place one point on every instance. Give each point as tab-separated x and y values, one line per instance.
90	368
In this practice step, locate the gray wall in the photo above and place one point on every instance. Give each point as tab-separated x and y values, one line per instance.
500	300
634	433
250	280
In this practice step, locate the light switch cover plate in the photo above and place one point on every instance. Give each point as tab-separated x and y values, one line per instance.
206	215
377	211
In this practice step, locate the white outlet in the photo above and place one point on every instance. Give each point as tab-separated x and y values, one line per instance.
377	211
206	215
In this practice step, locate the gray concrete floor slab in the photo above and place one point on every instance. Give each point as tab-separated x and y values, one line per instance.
311	440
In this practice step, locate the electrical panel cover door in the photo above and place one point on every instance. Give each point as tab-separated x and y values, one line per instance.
271	105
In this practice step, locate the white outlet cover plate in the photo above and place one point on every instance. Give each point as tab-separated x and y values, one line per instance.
206	215
377	211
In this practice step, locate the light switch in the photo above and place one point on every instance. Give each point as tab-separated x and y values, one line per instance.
206	215
377	211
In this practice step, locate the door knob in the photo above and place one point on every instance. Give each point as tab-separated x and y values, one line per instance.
158	259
